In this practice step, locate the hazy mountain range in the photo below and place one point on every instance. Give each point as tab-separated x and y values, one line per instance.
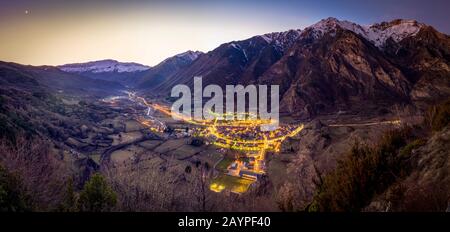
328	67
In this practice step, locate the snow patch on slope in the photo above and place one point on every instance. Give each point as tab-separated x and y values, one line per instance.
190	55
283	39
185	57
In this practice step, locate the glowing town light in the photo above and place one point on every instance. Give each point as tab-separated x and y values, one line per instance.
257	103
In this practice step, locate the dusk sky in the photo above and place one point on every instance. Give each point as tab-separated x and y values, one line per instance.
57	32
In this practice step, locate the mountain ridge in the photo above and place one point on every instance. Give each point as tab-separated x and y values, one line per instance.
106	65
331	66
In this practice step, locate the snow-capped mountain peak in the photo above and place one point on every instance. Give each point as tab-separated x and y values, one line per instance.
185	57
329	24
396	30
279	36
378	34
282	39
104	66
191	55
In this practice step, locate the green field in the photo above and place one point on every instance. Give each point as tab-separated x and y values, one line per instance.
223	164
232	183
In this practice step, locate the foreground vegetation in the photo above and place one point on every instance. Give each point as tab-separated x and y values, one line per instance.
96	196
32	178
369	170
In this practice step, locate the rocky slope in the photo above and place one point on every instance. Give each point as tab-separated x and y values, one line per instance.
164	70
234	62
426	188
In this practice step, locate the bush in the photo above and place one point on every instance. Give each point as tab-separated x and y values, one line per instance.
197	142
364	172
349	186
2	104
12	196
188	169
439	116
406	151
6	130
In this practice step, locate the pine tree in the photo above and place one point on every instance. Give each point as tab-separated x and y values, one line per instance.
69	203
97	195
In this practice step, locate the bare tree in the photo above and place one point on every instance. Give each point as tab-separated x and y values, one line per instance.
200	188
41	172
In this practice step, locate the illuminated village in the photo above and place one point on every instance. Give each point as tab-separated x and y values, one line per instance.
244	137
